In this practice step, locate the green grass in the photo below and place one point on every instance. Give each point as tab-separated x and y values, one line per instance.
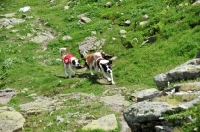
24	65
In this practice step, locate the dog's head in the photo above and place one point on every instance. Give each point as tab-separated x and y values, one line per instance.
106	65
76	63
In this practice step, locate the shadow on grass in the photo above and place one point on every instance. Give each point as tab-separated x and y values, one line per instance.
94	79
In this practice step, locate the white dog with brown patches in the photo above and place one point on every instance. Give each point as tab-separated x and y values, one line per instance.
69	62
98	62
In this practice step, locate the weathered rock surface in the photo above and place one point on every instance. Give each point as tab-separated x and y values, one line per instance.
118	105
145	94
106	123
6	95
144	116
90	44
41	104
188	70
42	37
10	120
5	22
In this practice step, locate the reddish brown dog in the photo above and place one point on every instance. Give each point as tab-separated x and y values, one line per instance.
98	62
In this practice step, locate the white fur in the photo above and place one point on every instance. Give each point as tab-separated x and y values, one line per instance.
104	74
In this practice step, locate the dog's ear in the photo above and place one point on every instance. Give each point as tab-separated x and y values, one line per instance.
73	62
110	62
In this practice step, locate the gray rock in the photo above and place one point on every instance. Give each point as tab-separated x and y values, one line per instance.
42	37
6	95
188	70
85	19
161	80
10	120
90	44
145	94
127	22
108	4
144	112
106	123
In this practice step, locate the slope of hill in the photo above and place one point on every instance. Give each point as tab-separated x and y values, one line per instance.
173	25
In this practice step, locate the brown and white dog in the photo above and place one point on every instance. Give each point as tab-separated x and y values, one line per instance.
96	61
69	62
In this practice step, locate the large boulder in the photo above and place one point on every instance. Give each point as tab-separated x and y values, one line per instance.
142	115
186	71
90	44
10	120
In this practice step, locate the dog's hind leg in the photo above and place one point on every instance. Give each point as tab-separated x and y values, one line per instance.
90	66
66	70
71	73
112	81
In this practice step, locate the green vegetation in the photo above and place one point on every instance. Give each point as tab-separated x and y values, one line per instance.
23	64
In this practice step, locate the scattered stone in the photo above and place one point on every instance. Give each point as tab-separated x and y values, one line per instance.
146	94
127	23
24	90
59	119
106	123
66	7
85	19
25	9
122	31
93	33
143	23
108	4
146	16
67	38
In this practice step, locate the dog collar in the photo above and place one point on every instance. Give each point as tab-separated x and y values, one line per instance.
67	59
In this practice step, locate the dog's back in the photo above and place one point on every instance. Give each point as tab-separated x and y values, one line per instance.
97	55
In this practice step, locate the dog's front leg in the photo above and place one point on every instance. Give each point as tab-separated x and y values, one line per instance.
90	66
112	81
72	73
104	74
66	70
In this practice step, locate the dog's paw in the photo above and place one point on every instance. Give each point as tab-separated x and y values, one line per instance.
113	83
109	79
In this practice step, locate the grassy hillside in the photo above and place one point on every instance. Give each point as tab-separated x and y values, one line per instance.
176	25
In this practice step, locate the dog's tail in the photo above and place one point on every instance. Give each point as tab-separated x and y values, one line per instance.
62	51
84	54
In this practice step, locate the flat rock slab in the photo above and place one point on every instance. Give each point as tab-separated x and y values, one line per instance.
106	123
6	95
